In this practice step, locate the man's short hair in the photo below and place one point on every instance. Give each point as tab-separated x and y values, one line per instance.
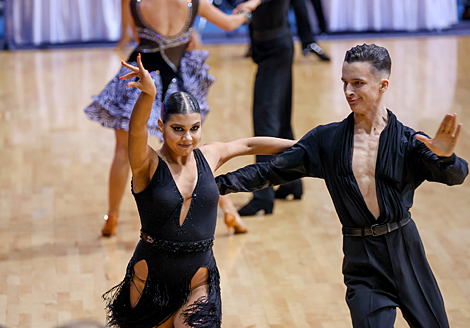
377	56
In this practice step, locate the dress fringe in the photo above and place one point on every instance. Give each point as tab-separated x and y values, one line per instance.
159	302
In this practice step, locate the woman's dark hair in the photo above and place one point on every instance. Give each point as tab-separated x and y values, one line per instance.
179	103
377	56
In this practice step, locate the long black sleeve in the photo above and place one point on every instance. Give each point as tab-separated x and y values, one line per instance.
450	170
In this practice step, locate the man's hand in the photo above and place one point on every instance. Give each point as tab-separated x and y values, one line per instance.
444	142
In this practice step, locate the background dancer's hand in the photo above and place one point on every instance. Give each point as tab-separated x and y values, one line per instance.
145	82
195	42
247	6
446	137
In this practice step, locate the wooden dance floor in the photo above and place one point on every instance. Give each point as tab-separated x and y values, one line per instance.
286	272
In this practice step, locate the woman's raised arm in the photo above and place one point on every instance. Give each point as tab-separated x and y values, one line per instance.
140	153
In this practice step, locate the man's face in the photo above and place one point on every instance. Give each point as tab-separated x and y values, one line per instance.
363	86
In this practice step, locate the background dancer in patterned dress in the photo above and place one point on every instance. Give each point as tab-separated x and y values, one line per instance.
172	279
372	164
164	29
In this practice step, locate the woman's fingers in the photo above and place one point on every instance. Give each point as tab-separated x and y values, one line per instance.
128	76
131	67
134	85
139	63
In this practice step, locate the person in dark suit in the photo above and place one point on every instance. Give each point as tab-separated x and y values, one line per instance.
273	51
304	28
372	164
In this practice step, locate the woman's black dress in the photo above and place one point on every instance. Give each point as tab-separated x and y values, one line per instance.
173	253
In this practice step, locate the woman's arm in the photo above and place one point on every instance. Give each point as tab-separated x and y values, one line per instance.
140	153
222	20
218	152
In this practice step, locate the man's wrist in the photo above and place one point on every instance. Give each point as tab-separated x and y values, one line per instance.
447	159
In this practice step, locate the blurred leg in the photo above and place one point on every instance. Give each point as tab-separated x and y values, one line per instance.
117	182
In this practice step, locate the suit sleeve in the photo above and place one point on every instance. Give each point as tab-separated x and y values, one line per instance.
449	170
285	167
299	161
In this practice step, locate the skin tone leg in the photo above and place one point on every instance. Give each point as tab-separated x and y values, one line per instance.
201	276
137	286
126	21
176	321
119	172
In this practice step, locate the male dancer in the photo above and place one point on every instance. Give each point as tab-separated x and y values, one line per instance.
372	165
273	51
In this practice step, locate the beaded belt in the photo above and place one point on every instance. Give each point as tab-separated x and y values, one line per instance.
376	229
178	246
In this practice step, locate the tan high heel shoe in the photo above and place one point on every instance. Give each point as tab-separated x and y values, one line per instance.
234	225
110	224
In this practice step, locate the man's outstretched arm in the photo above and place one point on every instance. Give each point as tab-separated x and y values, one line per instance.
438	156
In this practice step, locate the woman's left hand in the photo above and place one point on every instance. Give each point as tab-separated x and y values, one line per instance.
145	82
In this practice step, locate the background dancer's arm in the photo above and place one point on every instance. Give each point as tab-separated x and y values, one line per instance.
141	155
437	154
221	19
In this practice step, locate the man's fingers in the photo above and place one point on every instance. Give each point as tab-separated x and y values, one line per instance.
444	123
448	125
451	124
457	132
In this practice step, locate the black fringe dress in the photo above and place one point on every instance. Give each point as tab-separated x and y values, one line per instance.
173	253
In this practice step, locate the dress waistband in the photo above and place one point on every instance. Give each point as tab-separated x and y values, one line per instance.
178	246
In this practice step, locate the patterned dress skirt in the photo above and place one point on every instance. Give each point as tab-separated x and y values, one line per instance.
113	106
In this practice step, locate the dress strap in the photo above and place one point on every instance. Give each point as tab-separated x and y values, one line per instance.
201	160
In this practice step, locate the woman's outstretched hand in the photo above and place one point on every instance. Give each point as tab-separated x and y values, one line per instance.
443	144
247	6
145	82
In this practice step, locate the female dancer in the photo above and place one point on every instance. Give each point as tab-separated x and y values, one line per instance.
172	279
164	29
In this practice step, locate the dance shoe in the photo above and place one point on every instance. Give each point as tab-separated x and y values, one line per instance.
315	48
255	206
234	224
110	224
293	188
